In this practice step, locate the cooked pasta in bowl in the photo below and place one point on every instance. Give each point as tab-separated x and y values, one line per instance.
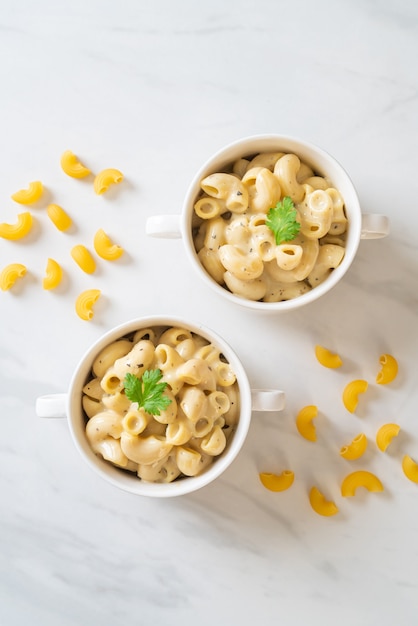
268	227
271	222
161	402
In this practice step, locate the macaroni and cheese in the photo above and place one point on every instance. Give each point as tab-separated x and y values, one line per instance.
187	435
235	244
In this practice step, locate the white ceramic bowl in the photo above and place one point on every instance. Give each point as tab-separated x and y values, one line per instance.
70	405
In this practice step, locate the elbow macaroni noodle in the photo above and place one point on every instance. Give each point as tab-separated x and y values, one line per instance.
277	482
238	250
72	166
351	393
59	217
388	371
190	433
385	434
83	258
53	275
18	230
106	178
105	248
29	195
327	358
320	505
85	302
10	274
304	422
410	468
355	449
361	478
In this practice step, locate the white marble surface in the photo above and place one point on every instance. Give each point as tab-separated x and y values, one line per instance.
153	88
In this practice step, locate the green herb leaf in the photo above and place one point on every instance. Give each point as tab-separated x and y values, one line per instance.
282	221
147	391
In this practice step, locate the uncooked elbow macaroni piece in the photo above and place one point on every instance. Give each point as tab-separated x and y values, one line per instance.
105	248
29	195
385	434
59	217
10	274
105	178
389	369
236	247
188	435
327	358
85	302
320	505
53	275
18	230
277	482
351	394
83	258
355	449
304	422
361	478
72	166
410	468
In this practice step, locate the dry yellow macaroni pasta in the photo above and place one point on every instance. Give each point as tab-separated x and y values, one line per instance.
59	217
185	437
304	422
72	166
385	434
237	248
327	358
277	482
105	248
83	258
351	393
53	275
18	230
355	449
410	468
10	274
361	478
84	303
105	178
388	371
320	505
29	195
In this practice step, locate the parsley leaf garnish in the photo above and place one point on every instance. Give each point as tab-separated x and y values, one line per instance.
281	219
147	391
